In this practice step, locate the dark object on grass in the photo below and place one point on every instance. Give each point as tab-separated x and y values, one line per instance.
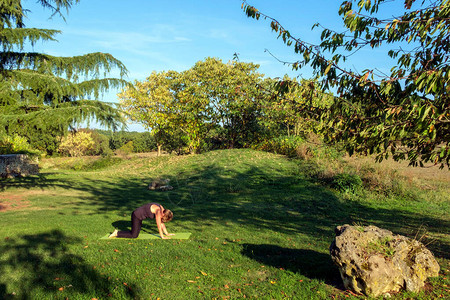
160	185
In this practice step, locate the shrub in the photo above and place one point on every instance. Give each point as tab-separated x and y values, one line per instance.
101	163
107	152
126	149
101	144
77	144
347	182
281	145
17	145
296	146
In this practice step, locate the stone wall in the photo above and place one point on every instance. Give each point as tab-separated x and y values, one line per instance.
17	165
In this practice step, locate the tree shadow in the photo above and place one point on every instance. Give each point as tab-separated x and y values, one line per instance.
306	262
41	181
256	196
207	193
43	262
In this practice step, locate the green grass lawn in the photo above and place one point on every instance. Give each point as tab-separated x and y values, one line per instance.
260	229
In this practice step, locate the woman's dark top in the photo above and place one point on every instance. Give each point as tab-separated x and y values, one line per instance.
137	216
145	212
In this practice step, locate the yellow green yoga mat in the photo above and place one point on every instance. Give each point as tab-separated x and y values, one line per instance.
148	236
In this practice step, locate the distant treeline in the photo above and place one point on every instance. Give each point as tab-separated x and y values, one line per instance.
142	141
81	142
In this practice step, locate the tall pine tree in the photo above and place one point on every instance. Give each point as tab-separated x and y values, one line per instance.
41	95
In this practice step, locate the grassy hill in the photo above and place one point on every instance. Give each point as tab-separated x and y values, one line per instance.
260	228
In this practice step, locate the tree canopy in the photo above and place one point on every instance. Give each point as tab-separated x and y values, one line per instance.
406	113
152	104
41	93
182	108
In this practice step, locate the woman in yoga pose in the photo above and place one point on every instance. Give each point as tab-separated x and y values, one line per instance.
152	211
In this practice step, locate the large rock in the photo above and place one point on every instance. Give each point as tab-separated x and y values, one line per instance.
17	165
374	261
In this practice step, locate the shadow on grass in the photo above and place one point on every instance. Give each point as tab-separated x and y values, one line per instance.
307	262
40	181
41	264
210	189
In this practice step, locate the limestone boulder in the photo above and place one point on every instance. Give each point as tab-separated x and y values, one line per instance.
374	261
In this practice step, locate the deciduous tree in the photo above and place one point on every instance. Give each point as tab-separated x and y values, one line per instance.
282	111
232	95
152	103
405	113
210	95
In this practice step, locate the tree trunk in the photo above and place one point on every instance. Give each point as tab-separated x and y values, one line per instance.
159	149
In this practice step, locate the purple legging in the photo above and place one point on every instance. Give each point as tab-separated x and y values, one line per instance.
136	225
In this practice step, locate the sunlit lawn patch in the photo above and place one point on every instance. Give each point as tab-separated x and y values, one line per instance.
260	228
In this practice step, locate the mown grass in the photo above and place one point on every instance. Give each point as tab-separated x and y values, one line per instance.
260	228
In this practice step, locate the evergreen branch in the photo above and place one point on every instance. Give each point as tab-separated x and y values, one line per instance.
11	14
57	6
49	89
89	65
96	87
15	38
7	96
65	113
44	88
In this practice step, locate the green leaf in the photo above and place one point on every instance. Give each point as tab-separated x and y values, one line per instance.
328	69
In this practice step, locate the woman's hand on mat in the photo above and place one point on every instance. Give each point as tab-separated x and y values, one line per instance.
165	238
170	234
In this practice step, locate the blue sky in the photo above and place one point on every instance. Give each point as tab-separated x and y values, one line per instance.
149	35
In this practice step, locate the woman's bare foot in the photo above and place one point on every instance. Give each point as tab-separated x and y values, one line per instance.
114	234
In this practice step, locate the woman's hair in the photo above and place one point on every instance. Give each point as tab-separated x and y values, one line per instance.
167	216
